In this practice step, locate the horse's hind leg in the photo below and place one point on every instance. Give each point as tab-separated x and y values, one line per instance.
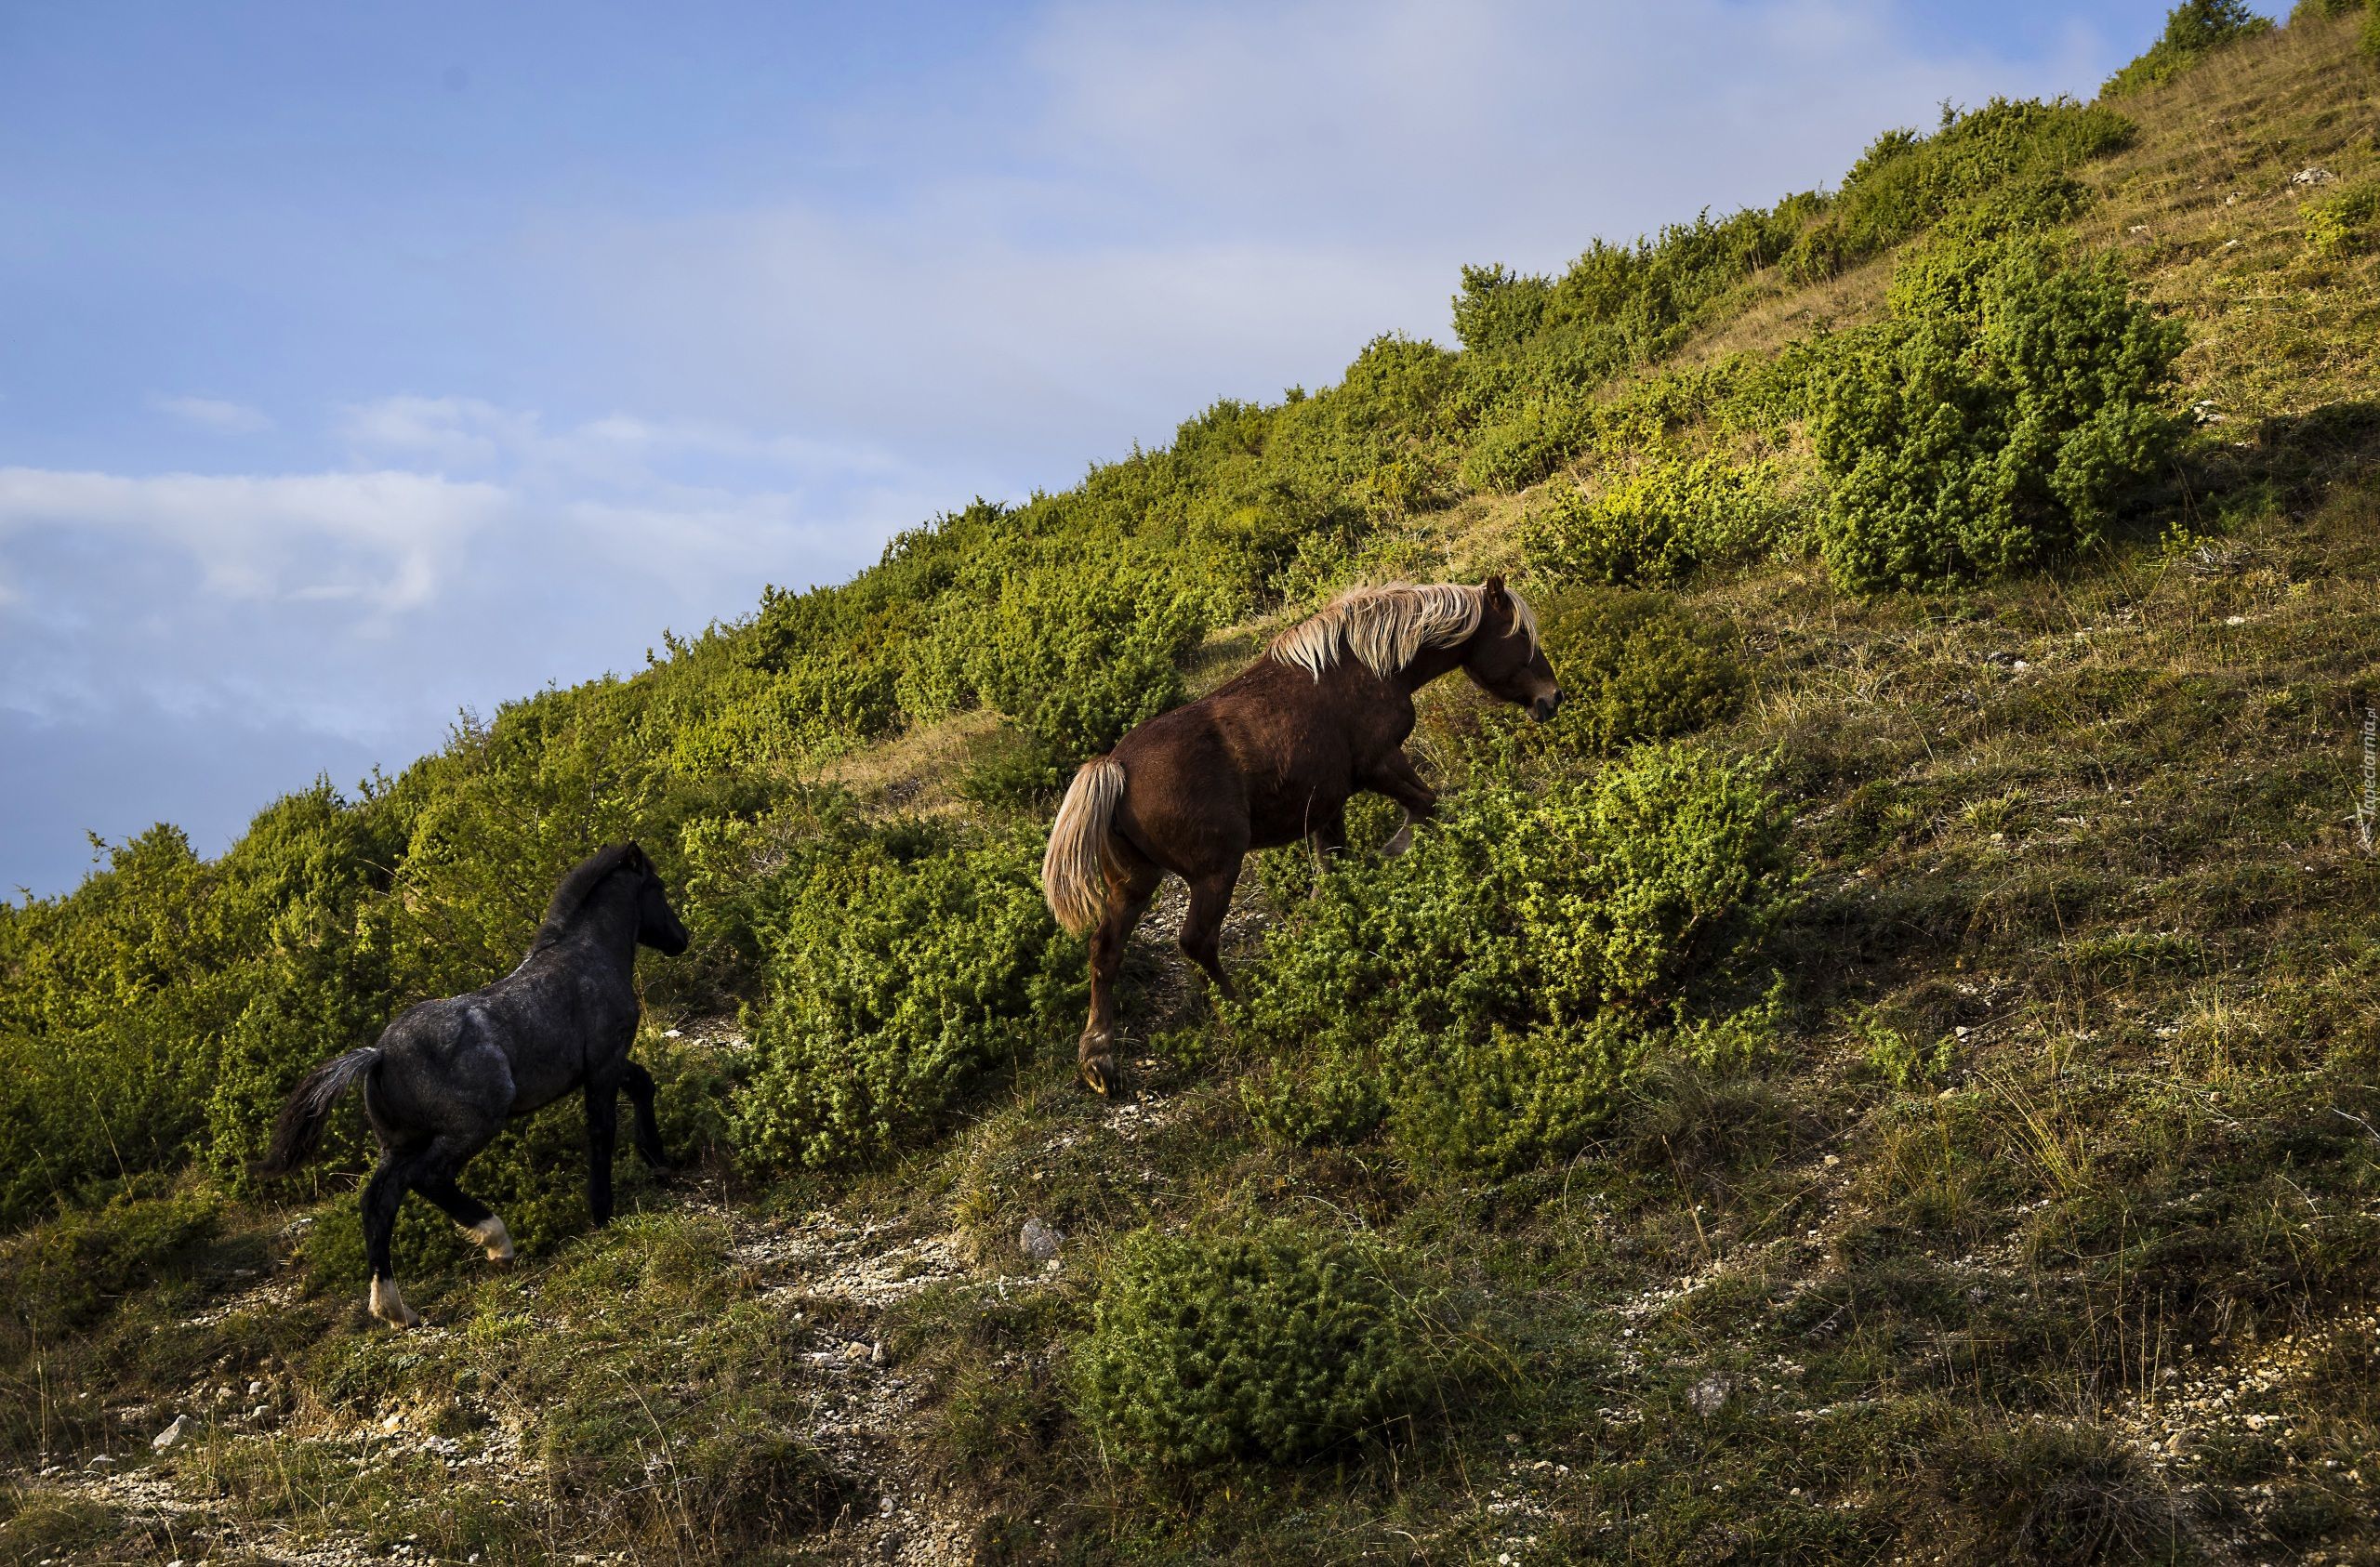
430	1170
1132	881
646	1130
479	1220
383	1194
1202	926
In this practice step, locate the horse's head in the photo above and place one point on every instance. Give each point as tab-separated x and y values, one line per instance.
657	925
1504	658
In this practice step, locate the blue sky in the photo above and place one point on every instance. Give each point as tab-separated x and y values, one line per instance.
359	364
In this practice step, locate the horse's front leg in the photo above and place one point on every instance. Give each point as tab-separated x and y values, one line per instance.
1129	887
1329	832
1202	926
603	1134
1396	778
644	1128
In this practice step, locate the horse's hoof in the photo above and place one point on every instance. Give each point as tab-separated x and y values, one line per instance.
1098	1073
390	1305
491	1235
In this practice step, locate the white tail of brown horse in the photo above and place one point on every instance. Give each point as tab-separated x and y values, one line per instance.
1074	874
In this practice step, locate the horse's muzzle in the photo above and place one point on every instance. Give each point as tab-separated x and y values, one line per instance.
1545	706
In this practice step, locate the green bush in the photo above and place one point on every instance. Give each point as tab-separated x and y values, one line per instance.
2193	30
2011	150
1893	1056
1995	420
1659	524
1633	666
2010	160
1488	996
2342	222
1528	440
902	965
1271	1342
1499	309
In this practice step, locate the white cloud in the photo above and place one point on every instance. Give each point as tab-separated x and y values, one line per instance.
216	414
1458	125
685	515
616	450
251	536
460	432
1172	201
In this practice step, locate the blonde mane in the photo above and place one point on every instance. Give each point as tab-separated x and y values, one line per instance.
1387	627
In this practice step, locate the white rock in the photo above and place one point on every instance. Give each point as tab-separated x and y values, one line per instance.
1710	1395
171	1434
1039	1241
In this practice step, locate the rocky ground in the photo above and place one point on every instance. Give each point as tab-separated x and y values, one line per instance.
833	1275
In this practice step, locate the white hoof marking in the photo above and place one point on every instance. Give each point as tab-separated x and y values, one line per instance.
491	1233
390	1305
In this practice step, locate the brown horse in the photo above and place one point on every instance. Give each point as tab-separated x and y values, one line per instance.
1270	758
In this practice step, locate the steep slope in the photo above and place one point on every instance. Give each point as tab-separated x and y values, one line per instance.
2040	1220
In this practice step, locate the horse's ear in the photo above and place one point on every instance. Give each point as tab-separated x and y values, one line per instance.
634	858
1493	589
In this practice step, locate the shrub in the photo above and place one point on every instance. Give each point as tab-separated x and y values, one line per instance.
1633	666
1995	421
1076	655
2342	222
1489	996
1893	1056
2193	30
1388	413
902	965
1270	1342
1528	440
2009	159
1499	309
1659	524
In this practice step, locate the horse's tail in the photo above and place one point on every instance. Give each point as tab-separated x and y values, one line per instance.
299	1129
1074	875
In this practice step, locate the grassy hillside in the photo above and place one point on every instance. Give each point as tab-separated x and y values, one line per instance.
1889	1075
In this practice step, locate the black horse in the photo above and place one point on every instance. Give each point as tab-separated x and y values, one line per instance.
447	1074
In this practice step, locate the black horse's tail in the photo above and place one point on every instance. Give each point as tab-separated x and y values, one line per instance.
299	1129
